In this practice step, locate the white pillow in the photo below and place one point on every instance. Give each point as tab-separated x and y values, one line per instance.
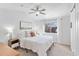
27	34
21	34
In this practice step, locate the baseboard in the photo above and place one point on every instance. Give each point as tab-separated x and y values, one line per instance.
62	44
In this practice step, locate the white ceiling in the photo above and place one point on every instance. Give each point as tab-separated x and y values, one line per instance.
52	9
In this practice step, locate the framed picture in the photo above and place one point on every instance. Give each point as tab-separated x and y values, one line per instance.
25	25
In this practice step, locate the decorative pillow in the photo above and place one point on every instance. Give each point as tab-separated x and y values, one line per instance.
32	34
28	34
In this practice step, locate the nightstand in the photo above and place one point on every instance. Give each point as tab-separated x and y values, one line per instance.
11	42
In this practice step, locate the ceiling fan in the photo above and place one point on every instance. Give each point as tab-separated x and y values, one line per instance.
37	10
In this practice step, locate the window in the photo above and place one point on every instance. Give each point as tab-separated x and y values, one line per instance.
51	27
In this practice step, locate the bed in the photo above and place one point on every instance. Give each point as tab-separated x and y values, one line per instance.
39	44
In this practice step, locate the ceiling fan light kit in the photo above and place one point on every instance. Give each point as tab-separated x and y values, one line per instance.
37	11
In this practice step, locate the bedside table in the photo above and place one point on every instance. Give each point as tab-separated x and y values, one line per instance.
11	42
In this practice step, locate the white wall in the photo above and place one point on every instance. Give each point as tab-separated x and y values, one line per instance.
11	18
8	18
38	26
77	34
64	30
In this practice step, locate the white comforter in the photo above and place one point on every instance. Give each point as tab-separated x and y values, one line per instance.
39	44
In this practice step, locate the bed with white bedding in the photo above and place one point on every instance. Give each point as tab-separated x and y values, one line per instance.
39	44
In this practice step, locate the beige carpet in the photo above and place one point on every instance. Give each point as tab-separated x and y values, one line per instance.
56	50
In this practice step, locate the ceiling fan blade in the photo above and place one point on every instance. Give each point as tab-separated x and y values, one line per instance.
43	10
33	9
42	13
37	8
31	12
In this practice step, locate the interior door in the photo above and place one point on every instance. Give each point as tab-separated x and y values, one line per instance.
75	30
